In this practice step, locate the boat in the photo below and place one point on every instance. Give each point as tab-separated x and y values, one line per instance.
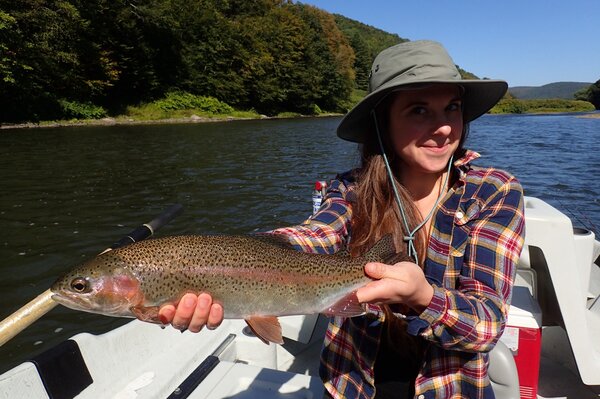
550	348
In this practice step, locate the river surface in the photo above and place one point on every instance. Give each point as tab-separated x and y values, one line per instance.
68	193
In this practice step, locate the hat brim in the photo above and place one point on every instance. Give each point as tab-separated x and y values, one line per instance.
478	98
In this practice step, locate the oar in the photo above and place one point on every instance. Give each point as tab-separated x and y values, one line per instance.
43	303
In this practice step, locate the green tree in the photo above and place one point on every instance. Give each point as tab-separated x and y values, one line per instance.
8	40
329	59
43	61
582	94
276	46
590	94
210	50
595	94
366	42
466	75
362	62
131	51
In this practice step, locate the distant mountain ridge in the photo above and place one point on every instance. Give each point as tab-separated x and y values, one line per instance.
563	90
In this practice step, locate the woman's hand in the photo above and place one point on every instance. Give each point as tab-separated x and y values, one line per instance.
403	282
192	313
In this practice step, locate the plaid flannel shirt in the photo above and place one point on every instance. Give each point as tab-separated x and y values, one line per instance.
475	242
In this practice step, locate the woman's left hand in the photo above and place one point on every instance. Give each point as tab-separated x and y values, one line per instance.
403	282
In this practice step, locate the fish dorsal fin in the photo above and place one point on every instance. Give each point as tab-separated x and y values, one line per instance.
384	251
348	306
267	328
343	252
273	239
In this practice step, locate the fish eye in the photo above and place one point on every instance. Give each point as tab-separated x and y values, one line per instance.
80	285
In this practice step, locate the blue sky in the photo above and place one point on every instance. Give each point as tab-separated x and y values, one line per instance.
525	42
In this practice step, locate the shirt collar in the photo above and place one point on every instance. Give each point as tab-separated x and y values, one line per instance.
462	164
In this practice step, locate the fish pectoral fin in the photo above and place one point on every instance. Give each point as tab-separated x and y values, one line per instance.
146	313
348	306
267	328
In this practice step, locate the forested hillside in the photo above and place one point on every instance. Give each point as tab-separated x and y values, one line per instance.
367	42
62	59
266	55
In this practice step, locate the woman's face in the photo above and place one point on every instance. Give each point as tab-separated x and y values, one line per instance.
426	126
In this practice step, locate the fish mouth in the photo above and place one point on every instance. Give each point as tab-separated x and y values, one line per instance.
71	301
77	302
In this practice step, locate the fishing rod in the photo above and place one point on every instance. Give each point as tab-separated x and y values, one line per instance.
43	303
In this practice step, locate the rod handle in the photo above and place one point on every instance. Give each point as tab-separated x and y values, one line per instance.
26	315
146	230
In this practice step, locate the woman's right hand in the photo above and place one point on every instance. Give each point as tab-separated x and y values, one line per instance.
192	313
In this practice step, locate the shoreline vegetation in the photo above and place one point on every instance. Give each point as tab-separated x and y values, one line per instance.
125	120
176	107
511	105
182	108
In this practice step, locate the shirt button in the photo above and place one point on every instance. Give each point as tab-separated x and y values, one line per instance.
459	215
421	397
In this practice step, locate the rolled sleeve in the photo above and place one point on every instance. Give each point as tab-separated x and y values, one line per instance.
437	307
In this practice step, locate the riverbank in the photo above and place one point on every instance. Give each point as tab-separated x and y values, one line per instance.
126	120
595	115
121	121
132	121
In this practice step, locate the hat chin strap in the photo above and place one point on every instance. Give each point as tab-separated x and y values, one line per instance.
412	251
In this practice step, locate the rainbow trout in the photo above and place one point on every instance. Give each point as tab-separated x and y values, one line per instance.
255	278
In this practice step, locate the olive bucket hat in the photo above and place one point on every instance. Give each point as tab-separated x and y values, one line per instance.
416	63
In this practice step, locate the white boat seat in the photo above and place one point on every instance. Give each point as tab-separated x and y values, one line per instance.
568	281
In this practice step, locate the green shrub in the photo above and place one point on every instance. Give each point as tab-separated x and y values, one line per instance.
556	105
77	110
514	106
175	101
315	110
288	114
508	106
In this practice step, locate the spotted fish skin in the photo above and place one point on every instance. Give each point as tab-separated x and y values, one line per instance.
251	276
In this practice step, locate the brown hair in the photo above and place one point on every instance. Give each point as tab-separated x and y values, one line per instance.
375	213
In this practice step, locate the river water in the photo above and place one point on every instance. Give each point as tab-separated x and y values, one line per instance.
68	193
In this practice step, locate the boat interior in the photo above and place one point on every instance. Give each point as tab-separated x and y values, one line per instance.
557	292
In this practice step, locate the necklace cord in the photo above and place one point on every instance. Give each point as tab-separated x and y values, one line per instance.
410	238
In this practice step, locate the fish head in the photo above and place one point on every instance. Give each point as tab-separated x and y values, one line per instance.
103	285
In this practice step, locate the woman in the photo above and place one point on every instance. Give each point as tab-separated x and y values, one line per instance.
431	322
